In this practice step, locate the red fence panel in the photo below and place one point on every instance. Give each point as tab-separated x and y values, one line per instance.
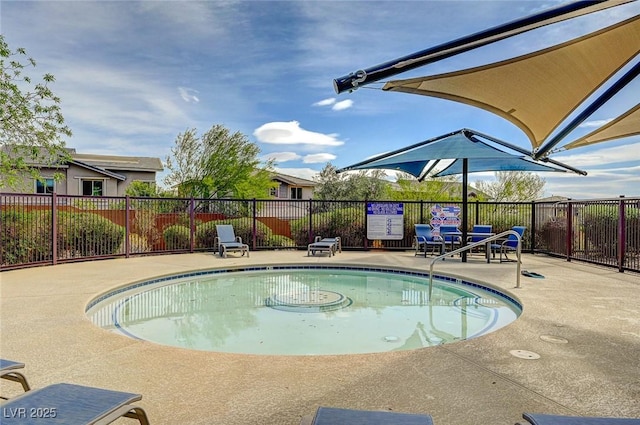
49	229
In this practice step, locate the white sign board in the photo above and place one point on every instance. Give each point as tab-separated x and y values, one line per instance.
385	220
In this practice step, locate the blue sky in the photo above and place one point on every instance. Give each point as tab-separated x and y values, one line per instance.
133	75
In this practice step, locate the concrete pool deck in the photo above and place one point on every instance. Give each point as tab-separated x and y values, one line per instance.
595	373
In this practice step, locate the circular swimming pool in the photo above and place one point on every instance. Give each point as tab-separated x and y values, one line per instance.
303	310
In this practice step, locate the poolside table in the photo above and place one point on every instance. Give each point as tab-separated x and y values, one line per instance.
487	248
470	234
453	236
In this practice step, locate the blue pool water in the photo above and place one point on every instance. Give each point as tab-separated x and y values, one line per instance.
303	310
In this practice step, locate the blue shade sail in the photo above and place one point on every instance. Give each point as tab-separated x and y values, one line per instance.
468	153
477	165
419	159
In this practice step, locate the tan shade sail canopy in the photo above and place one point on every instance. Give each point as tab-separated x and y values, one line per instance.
625	125
538	91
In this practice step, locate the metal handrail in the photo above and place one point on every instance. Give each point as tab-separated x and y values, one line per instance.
479	243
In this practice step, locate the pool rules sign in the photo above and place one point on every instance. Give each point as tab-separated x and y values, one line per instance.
385	220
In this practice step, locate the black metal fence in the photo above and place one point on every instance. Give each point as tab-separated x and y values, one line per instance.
50	229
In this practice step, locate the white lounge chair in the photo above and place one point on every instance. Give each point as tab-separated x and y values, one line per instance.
227	241
320	244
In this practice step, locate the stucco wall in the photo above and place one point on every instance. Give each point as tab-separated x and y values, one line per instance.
72	183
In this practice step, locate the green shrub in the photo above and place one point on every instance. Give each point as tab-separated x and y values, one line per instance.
41	240
243	227
88	234
144	224
206	234
177	237
14	246
25	237
600	225
279	241
137	244
509	218
552	236
184	220
348	223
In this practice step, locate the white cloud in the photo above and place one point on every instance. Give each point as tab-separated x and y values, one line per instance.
117	101
290	133
188	95
282	156
337	106
605	155
318	158
598	183
325	102
592	187
342	105
595	123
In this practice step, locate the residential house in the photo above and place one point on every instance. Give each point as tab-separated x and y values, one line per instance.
551	208
290	187
93	175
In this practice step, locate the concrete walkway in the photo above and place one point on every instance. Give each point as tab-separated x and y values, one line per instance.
479	382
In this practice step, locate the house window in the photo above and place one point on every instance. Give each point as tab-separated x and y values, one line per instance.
296	193
92	187
44	186
273	192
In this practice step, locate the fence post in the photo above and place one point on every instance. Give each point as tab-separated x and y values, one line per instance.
477	218
421	211
533	227
365	242
192	224
54	229
622	233
127	228
310	220
254	230
569	229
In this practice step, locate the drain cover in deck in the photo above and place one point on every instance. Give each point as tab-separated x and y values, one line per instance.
523	354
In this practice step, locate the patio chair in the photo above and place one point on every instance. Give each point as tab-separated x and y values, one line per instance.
507	245
9	371
71	404
227	241
451	235
540	419
336	416
479	233
320	244
424	238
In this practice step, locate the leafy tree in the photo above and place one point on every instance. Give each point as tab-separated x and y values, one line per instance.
184	161
217	164
350	186
144	189
513	186
440	189
31	124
